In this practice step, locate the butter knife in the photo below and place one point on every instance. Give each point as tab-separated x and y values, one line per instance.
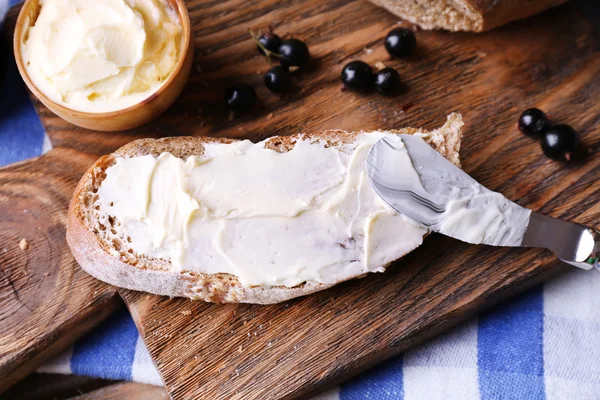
419	183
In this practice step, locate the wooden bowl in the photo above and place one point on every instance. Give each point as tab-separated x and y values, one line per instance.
129	117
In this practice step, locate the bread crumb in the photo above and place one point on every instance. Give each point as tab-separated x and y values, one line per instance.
270	115
368	51
24	244
186	312
240	348
293	68
379	65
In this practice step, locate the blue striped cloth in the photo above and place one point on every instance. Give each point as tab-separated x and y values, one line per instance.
544	344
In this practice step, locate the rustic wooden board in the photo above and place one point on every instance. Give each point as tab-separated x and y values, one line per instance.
46	300
126	390
296	348
57	387
44	386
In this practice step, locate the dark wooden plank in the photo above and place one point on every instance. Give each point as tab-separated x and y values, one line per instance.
305	345
53	386
293	349
46	300
126	390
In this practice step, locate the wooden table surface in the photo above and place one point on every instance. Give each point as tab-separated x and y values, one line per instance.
567	86
253	352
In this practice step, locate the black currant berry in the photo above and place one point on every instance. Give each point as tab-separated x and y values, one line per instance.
400	42
240	98
270	41
358	75
559	142
533	122
293	52
387	81
278	79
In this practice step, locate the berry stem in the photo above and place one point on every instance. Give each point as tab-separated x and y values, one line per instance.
268	53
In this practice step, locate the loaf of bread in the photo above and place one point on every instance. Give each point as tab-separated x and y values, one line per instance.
98	248
464	15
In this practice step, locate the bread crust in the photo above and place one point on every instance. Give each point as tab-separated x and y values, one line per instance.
465	15
104	262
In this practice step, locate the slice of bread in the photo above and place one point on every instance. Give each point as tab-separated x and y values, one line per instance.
102	253
464	15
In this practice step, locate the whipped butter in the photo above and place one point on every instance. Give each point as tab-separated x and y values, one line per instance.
101	55
485	217
270	218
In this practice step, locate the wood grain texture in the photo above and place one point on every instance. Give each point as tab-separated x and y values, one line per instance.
53	386
126	390
58	387
46	300
294	349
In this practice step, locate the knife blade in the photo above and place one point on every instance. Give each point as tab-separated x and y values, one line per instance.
422	185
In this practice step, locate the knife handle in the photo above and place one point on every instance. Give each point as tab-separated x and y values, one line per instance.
573	243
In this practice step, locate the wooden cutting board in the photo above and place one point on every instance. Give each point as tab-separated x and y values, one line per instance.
46	300
300	347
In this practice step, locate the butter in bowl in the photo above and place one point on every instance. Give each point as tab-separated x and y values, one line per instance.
105	65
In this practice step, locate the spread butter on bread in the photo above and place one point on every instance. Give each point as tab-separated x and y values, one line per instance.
222	220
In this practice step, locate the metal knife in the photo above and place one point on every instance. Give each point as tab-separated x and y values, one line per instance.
445	199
